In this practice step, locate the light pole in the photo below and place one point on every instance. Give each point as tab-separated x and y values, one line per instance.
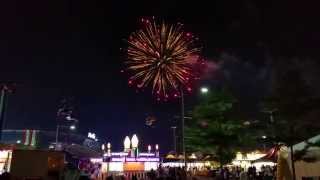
5	89
182	128
2	108
203	90
72	128
174	138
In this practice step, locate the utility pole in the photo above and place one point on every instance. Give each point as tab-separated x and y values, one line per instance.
4	90
174	138
182	128
65	119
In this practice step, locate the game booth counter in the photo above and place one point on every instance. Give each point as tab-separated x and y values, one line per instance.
24	159
21	163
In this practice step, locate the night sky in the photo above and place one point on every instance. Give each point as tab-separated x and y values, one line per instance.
71	48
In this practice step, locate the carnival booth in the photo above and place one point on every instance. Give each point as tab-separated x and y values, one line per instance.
193	161
21	163
128	160
269	159
254	158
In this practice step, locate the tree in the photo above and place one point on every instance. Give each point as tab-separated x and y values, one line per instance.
296	108
214	129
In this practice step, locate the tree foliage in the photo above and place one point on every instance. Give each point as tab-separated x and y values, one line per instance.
296	108
214	129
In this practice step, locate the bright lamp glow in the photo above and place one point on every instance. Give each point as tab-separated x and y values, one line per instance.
204	90
134	141
109	145
157	147
149	147
72	127
127	142
103	147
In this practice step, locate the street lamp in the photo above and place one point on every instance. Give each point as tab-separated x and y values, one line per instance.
5	89
72	127
204	90
174	138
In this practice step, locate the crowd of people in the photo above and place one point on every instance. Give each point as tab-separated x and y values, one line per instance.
227	173
169	173
238	173
180	173
162	173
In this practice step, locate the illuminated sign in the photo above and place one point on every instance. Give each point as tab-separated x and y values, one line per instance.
118	159
128	159
119	154
147	154
140	159
116	154
91	135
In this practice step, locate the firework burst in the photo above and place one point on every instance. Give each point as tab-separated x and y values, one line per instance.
163	57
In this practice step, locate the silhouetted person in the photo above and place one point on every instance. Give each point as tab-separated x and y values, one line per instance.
134	177
109	178
5	176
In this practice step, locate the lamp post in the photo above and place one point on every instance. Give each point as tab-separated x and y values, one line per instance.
203	90
71	127
174	138
5	89
182	129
